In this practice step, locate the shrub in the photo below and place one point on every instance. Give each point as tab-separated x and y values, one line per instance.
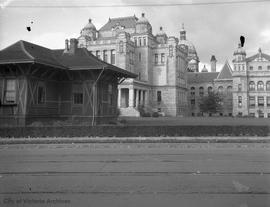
122	121
36	124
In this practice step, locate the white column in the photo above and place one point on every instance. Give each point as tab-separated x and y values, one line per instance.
146	97
137	98
119	97
131	97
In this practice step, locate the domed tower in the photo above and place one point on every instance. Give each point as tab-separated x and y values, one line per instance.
239	60
89	30
193	59
143	25
161	36
240	82
213	61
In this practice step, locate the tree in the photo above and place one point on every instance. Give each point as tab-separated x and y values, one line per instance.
211	103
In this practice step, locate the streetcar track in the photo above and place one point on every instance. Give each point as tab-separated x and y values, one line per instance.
139	192
148	173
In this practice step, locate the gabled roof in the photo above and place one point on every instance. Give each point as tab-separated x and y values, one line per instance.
263	55
226	72
80	59
23	51
199	77
127	22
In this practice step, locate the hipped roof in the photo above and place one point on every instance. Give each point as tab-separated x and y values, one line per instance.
80	59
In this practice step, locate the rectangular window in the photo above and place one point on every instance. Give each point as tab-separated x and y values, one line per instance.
105	56
159	96
156	58
140	41
252	101
268	67
162	57
113	57
192	102
259	67
261	114
140	57
98	54
135	41
41	95
252	114
250	67
77	98
268	101
239	101
260	101
144	41
239	87
10	91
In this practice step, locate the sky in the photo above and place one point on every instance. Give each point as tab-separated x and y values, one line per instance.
214	29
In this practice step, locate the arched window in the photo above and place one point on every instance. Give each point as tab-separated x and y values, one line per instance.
229	89
192	91
210	89
201	91
251	86
268	85
220	89
260	86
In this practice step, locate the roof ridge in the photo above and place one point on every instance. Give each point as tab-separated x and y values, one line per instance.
127	17
25	51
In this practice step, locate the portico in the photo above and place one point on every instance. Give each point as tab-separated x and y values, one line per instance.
130	98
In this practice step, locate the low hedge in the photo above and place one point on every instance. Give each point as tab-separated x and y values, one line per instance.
134	131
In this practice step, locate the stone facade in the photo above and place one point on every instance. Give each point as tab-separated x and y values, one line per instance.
200	84
251	84
160	62
245	90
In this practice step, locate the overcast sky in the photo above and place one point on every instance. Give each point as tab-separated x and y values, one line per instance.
213	29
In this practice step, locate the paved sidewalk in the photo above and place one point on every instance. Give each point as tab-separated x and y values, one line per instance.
55	140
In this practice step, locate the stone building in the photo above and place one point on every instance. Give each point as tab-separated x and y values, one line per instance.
200	84
251	84
160	61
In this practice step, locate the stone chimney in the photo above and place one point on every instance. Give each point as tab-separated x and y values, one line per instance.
142	14
73	45
66	46
213	63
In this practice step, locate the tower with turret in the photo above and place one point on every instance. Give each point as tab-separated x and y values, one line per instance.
240	82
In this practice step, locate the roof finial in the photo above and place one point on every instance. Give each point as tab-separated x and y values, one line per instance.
239	45
183	27
89	20
142	14
260	50
160	28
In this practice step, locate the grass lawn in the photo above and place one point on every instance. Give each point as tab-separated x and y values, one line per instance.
172	121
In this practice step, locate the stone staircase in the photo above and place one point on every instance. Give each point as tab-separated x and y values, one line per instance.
130	111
